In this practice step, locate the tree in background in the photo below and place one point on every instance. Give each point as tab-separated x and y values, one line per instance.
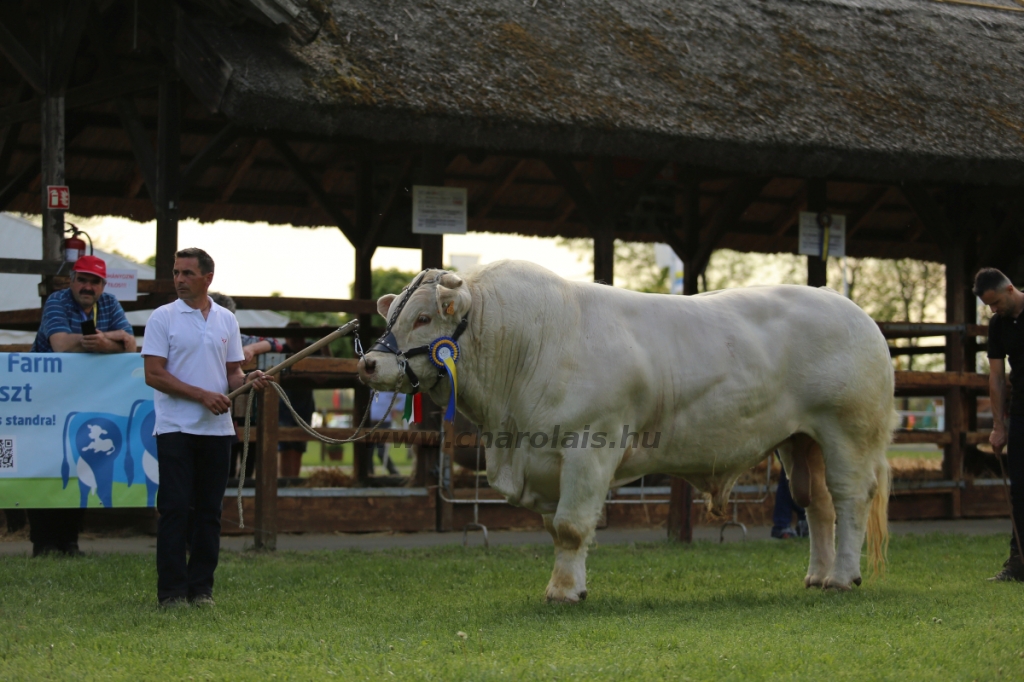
635	267
897	291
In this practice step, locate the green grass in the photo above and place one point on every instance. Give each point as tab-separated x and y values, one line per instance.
735	611
402	457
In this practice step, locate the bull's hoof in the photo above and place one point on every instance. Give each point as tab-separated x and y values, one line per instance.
813	581
567	598
833	584
857	581
583	595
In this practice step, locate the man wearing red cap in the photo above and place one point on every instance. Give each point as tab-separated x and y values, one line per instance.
66	312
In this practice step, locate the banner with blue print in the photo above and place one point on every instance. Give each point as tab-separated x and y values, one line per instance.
76	430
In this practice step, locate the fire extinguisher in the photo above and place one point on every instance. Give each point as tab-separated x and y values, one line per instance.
73	246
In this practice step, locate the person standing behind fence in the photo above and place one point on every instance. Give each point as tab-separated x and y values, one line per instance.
379	411
84	303
193	355
1006	338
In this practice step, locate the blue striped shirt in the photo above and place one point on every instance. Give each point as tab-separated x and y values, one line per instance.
62	314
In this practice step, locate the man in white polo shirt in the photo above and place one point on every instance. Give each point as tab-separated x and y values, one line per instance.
193	356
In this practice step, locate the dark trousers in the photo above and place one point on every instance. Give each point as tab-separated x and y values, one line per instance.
55	528
782	516
193	471
1015	471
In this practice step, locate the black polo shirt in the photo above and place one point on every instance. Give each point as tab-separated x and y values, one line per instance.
1006	338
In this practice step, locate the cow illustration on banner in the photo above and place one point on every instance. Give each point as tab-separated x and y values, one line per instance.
142	447
107	448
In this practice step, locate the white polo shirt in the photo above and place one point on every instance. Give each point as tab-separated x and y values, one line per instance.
197	353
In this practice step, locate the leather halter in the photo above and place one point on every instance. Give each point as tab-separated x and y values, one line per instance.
387	343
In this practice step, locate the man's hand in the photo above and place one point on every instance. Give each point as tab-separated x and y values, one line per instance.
101	342
217	403
248	353
997	439
258	379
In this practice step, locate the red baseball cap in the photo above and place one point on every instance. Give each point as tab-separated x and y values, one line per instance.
91	265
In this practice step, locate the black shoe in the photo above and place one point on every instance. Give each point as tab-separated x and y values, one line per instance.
802	531
173	602
1013	571
202	600
783	533
71	550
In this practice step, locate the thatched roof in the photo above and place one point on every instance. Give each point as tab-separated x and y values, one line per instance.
868	89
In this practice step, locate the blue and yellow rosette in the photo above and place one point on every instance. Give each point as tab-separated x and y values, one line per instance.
444	353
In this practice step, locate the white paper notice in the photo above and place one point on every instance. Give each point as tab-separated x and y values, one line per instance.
123	284
812	234
439	210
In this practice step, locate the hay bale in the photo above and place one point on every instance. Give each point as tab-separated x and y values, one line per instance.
329	477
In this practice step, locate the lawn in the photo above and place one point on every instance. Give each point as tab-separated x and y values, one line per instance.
736	611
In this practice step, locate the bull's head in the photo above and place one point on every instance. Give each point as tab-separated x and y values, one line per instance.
430	307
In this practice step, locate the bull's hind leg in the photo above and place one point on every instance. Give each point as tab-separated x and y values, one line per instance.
582	487
821	518
851	482
805	467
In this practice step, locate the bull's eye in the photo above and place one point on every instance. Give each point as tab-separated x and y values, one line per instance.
421	320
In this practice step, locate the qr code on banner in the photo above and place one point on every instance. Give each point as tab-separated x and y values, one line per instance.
7	461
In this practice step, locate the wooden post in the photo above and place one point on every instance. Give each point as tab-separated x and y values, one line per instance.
680	509
958	298
52	138
604	229
362	453
431	172
265	531
817	201
168	174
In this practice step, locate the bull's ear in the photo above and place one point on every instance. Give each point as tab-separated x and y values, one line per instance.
384	304
453	297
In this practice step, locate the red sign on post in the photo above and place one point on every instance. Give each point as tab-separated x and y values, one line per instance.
58	197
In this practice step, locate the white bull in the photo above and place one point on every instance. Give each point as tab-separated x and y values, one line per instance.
711	384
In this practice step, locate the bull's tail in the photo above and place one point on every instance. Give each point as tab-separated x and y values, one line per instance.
878	519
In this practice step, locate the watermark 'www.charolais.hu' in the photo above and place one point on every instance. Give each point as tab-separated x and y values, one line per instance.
510	440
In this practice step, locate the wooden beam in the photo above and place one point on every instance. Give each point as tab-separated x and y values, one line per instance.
875	201
507	177
817	202
26	266
736	201
138	136
1010	227
21	60
297	167
166	193
789	215
240	168
18	183
11	134
208	154
74	24
938	381
626	198
100	91
931	214
309	305
566	174
382	216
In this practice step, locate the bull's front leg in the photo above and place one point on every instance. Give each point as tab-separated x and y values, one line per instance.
582	490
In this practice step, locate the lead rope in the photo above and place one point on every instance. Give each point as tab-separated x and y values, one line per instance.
305	427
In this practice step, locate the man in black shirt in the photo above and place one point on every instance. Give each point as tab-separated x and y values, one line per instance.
1006	338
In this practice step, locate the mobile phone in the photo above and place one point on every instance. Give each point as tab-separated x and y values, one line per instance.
88	327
